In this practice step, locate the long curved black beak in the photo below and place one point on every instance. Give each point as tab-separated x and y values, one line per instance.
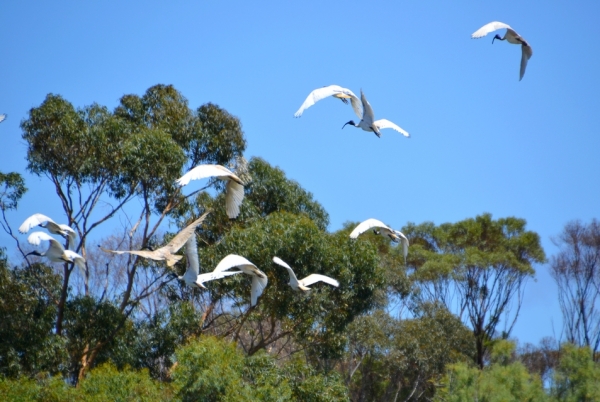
351	122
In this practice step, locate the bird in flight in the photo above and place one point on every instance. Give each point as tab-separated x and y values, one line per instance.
55	251
42	220
332	90
303	284
395	235
259	279
511	36
166	252
234	190
368	122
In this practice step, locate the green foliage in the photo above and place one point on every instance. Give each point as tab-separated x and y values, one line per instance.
394	359
577	376
27	314
154	341
11	190
268	192
209	369
478	264
106	383
307	384
89	323
52	389
502	381
576	270
272	192
315	318
94	156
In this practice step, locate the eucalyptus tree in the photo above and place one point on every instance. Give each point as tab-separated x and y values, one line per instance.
394	359
99	161
477	268
314	320
576	270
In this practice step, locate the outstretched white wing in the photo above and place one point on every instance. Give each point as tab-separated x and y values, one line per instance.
368	116
366	225
383	123
55	247
279	261
211	276
34	220
77	259
526	53
312	278
487	28
258	285
193	265
259	279
233	260
204	171
331	90
404	241
233	198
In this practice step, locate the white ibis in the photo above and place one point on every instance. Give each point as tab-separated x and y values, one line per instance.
303	284
234	190
52	227
332	90
167	252
55	251
368	122
394	235
259	279
511	37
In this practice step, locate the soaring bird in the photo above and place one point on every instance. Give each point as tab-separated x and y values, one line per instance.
192	276
235	186
304	283
193	265
55	252
50	225
332	90
2	117
259	279
368	122
167	252
511	36
395	235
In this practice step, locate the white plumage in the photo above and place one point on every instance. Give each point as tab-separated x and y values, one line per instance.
303	284
395	235
259	279
2	117
52	227
235	187
167	252
368	122
332	90
55	251
511	36
193	265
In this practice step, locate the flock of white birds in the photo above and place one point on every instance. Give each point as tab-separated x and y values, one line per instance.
234	195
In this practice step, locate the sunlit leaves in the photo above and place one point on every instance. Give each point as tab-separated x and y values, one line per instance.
12	188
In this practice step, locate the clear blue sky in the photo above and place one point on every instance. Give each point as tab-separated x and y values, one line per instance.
481	140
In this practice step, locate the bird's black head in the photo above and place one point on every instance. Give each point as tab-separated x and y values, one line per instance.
496	37
376	231
351	122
